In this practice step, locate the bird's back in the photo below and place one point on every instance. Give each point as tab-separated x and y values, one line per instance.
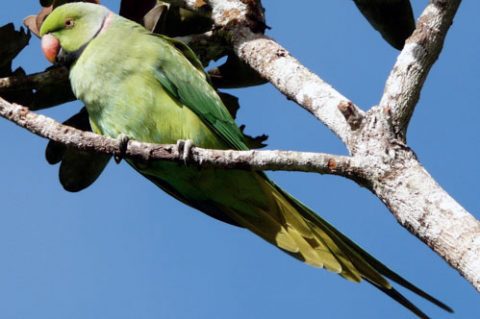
123	95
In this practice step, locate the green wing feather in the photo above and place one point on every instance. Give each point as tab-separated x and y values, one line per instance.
194	91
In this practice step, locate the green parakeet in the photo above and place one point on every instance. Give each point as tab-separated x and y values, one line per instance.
392	18
153	89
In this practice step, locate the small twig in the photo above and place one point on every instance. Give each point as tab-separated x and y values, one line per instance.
352	115
252	160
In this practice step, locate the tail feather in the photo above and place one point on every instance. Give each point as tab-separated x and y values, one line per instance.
357	264
348	271
280	219
398	297
350	256
387	272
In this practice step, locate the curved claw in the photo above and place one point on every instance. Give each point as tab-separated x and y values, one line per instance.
185	149
122	145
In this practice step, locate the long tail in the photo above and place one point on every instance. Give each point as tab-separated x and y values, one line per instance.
252	201
295	228
364	264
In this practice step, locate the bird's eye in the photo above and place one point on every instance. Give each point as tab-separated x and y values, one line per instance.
69	23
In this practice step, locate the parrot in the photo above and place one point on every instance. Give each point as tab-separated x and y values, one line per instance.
392	18
158	17
151	88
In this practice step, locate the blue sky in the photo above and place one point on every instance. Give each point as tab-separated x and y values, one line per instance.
124	249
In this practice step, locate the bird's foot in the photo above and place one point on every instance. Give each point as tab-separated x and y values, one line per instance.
185	149
122	146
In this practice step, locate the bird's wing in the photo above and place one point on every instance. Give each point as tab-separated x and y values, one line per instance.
182	75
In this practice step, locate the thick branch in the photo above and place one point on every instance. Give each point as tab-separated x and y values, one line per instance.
402	89
294	80
431	214
254	160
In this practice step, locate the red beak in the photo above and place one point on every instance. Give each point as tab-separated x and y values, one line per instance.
50	47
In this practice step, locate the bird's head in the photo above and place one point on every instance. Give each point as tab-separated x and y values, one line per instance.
69	29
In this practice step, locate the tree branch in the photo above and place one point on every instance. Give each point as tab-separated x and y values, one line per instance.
39	90
430	213
403	86
294	80
33	81
250	160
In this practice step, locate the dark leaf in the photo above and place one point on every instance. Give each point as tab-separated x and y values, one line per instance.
254	142
231	102
173	21
393	19
55	151
182	22
52	95
12	43
78	169
55	91
57	3
136	9
155	19
46	3
235	74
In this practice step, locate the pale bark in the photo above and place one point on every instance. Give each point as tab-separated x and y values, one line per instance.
422	49
250	160
294	80
423	207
